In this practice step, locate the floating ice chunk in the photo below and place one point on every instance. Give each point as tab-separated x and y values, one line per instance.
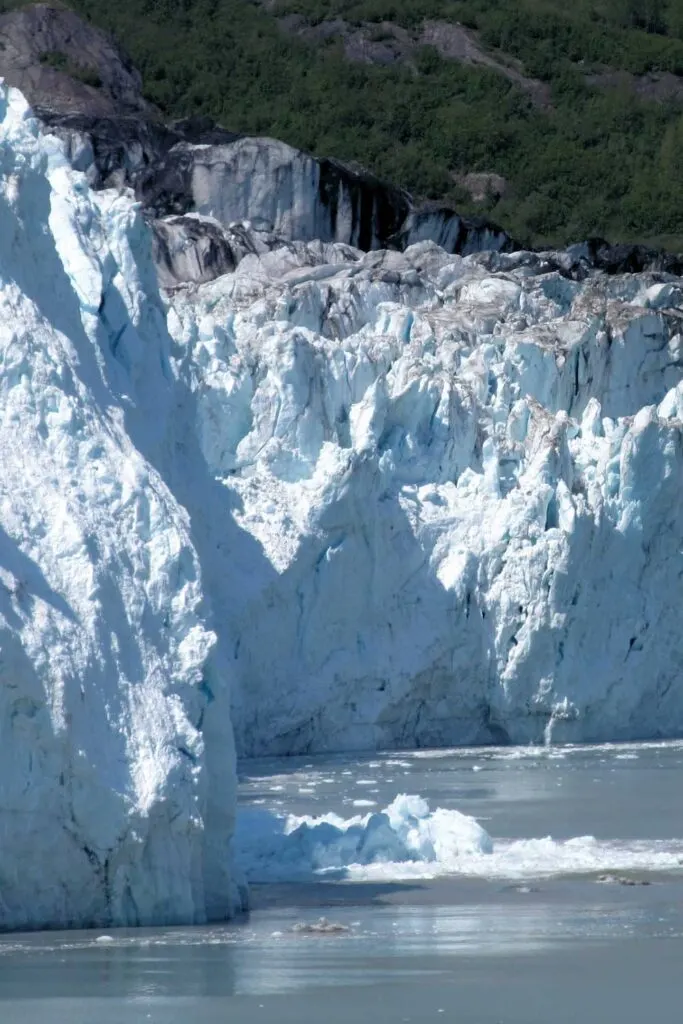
321	927
408	840
279	847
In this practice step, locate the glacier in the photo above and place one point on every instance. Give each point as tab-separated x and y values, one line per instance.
457	483
329	500
116	754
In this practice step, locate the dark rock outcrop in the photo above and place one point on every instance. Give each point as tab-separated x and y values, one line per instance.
193	166
245	192
597	254
584	259
61	61
197	249
214	196
187	249
386	43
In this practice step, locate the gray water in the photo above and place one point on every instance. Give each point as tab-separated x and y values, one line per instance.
557	948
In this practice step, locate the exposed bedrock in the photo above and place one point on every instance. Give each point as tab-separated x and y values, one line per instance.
260	185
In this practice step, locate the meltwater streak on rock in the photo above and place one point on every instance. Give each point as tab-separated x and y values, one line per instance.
247	194
116	779
464	486
254	194
255	185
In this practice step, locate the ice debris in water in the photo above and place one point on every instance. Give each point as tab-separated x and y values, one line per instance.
408	840
273	847
610	879
321	927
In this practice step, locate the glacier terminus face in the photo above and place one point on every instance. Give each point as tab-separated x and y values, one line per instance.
457	483
330	500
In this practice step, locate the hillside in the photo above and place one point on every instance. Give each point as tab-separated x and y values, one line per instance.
558	121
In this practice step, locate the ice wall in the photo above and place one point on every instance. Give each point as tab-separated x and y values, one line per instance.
116	773
456	497
392	498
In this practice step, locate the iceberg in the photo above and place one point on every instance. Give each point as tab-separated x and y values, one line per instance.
408	840
406	835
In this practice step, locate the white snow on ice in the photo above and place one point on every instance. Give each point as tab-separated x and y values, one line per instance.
454	497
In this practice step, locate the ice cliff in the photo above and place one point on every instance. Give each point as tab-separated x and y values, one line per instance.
458	483
366	498
116	769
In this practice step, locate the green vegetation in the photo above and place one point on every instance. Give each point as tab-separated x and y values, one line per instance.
58	60
600	160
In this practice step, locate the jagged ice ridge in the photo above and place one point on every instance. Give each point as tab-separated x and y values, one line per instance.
459	491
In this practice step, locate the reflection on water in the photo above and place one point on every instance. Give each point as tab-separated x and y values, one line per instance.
266	955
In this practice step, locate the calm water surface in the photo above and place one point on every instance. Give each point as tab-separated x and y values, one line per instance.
555	948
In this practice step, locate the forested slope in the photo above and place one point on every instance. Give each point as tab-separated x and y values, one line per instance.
557	120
